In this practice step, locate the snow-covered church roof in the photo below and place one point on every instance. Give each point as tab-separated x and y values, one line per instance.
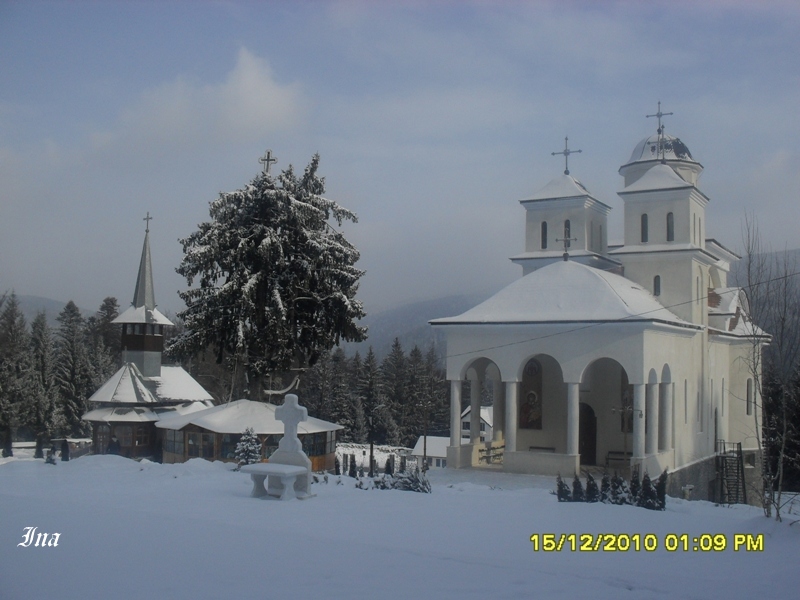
237	416
567	291
563	186
129	387
659	177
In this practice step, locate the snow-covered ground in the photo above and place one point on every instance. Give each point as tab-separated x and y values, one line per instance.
145	530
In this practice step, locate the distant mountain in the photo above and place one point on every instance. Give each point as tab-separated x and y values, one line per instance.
33	305
409	323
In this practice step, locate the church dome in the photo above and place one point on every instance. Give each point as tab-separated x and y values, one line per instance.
567	291
674	149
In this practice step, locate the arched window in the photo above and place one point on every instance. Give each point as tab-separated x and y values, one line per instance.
644	228
670	227
657	285
749	396
694	234
567	230
685	401
699	231
544	235
697	299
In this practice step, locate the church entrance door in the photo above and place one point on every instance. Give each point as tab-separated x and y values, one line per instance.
587	435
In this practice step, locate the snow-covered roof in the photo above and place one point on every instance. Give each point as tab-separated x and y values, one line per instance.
142	314
563	186
126	386
487	414
659	177
133	414
436	447
176	385
129	386
567	291
237	416
647	149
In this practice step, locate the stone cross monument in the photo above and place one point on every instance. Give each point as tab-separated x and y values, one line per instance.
290	450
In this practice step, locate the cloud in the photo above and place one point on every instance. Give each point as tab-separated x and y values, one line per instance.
247	106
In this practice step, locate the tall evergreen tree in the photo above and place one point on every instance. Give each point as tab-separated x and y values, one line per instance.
394	382
40	413
73	371
14	368
277	281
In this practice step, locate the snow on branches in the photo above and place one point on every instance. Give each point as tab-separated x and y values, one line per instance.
276	279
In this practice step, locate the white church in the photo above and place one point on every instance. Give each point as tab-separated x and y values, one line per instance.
623	356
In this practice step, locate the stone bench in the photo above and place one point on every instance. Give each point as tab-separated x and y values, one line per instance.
281	479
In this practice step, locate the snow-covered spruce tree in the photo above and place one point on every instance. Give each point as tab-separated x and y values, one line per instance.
577	490
605	488
592	492
648	498
73	371
277	281
635	489
248	449
15	369
39	412
661	490
562	490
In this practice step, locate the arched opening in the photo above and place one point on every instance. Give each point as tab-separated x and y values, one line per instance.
670	227
544	235
645	235
542	406
587	435
606	391
481	410
657	285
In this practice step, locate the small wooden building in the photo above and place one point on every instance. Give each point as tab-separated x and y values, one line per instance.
214	432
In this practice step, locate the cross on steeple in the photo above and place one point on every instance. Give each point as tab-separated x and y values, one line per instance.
148	218
566	239
660	130
566	152
267	161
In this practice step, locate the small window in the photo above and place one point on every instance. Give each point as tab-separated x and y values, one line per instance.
670	227
645	235
465	425
657	285
544	235
124	435
567	230
749	396
142	436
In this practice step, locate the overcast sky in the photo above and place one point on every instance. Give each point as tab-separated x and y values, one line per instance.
432	119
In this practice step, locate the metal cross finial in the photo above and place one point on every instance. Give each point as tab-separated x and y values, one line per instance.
148	218
660	130
566	239
267	161
566	152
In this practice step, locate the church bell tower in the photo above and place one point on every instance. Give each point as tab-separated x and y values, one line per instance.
142	323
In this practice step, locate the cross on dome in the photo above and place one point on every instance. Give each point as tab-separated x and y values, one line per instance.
267	160
566	152
660	130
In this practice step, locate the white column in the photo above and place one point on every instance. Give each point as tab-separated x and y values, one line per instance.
573	417
638	420
512	388
455	413
651	420
475	386
497	410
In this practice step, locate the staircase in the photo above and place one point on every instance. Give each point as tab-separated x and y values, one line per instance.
730	473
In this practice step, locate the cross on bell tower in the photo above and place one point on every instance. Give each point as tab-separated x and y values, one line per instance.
148	218
267	160
566	239
566	152
660	130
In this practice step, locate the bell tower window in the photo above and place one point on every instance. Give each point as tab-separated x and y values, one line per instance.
657	285
670	227
645	235
544	235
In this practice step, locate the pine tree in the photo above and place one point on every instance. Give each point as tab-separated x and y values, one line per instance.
592	492
277	281
40	409
562	490
648	497
661	490
73	371
635	489
605	488
15	369
577	490
248	449
394	379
